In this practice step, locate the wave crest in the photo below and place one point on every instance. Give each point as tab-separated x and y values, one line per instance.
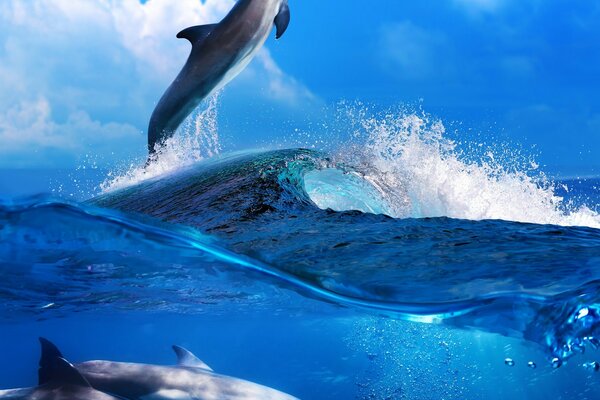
423	173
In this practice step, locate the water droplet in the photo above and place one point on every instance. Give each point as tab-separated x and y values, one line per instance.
584	312
556	363
531	365
510	362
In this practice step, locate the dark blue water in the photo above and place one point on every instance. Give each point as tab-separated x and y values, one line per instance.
240	258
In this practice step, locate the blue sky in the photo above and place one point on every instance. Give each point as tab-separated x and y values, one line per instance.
81	78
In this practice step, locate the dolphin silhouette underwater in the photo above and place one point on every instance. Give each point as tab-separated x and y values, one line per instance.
59	380
189	379
219	53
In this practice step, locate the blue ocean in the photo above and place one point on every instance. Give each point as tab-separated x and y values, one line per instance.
397	262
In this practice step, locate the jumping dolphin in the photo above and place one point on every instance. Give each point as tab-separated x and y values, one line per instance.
63	382
219	53
189	379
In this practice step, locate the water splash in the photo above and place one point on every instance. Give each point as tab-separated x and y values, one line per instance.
197	138
423	173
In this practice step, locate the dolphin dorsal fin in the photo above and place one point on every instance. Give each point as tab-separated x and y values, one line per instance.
196	34
48	359
66	373
186	358
282	20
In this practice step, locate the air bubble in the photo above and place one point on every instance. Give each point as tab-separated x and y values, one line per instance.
531	365
510	362
593	366
584	312
594	342
556	363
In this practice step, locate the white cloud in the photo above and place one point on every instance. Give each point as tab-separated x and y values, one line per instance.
29	123
411	52
100	64
519	66
148	30
488	6
280	85
29	135
499	9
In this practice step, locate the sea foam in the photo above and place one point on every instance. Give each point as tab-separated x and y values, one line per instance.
419	172
196	139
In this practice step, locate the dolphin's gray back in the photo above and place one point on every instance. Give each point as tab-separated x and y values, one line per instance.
214	60
140	381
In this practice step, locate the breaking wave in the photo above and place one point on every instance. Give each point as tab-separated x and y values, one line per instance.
420	172
400	222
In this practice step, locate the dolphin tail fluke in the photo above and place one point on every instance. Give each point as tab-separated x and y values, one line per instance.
282	20
186	358
48	361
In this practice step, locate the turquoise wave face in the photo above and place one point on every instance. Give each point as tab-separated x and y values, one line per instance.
218	235
341	190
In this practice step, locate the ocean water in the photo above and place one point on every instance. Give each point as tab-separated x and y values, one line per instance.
395	263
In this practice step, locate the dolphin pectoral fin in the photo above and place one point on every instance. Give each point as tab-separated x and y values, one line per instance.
282	20
186	358
196	34
48	361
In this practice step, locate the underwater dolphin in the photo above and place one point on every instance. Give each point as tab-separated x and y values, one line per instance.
219	53
63	382
189	379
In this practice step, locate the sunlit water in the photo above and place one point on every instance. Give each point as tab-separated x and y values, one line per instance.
398	266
